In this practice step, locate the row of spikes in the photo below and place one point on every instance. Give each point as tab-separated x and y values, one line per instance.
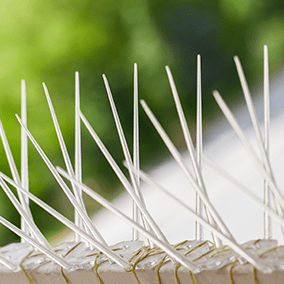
85	230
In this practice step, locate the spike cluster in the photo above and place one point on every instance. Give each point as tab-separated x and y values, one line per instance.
85	231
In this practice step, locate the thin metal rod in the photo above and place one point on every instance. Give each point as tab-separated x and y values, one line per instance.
78	154
7	263
199	146
266	221
125	148
252	112
76	190
24	151
123	180
101	247
136	157
65	188
179	159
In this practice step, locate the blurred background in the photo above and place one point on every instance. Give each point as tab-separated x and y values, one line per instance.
47	41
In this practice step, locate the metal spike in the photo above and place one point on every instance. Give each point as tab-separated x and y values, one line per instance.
266	221
76	190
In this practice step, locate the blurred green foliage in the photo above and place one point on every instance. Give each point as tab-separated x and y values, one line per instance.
49	40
